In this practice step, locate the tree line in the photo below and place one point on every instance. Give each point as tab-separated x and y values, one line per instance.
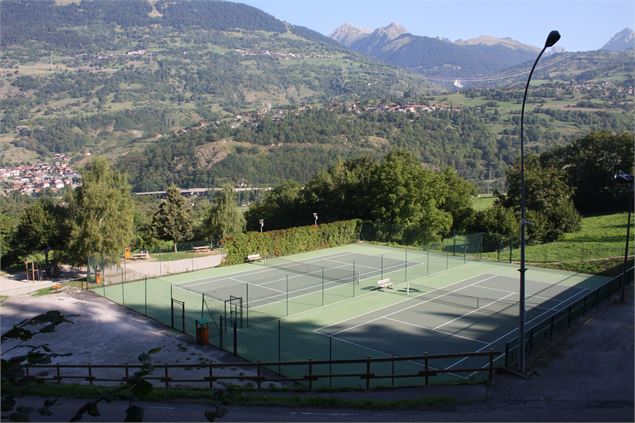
398	198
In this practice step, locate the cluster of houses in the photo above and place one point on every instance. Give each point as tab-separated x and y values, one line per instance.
398	107
278	55
35	178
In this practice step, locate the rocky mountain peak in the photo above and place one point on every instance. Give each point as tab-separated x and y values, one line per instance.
392	31
623	40
346	34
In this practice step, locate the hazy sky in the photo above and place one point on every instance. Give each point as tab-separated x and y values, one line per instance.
583	24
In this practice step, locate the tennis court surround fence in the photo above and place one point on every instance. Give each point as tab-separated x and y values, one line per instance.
261	333
539	335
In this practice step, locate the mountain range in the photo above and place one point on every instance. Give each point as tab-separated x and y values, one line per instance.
440	57
199	92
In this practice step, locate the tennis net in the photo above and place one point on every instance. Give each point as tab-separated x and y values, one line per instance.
333	274
475	301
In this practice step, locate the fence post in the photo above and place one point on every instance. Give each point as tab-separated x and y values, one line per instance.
322	286
58	374
145	295
392	371
330	361
167	379
426	367
126	371
491	366
287	296
90	374
310	374
551	327
211	379
454	244
510	250
258	373
367	373
220	331
235	339
382	267
506	354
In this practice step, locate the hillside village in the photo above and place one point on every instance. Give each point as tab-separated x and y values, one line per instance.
35	178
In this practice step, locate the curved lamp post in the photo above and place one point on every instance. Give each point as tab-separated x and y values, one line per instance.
627	179
552	39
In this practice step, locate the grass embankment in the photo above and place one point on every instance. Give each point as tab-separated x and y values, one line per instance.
597	248
483	202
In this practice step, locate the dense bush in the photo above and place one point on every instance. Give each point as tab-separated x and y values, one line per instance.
290	241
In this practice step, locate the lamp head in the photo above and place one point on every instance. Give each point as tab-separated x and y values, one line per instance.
624	178
552	39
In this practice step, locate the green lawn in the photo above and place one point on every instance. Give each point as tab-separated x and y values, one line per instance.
596	248
483	202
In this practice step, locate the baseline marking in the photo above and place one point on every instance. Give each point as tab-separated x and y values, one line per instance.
414	305
474	311
516	330
435	330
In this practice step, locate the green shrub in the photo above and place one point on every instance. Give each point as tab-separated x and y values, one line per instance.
290	241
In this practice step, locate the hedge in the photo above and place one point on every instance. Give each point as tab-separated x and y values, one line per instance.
290	241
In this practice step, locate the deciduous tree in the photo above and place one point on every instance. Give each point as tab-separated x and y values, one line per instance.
224	217
102	212
172	220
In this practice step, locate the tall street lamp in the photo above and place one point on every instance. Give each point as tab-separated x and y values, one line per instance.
626	178
552	39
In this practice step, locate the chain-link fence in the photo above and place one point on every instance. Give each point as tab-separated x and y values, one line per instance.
138	264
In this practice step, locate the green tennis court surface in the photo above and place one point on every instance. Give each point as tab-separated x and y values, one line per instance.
326	305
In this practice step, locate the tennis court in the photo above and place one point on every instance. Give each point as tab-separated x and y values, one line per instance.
278	283
326	305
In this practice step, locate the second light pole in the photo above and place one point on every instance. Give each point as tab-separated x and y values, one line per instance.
552	39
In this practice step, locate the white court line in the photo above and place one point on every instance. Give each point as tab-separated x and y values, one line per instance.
350	264
526	323
315	288
399	302
498	289
435	330
241	281
246	273
474	311
414	305
540	297
385	353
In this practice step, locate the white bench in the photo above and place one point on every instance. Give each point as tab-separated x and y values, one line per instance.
142	255
384	283
203	249
254	257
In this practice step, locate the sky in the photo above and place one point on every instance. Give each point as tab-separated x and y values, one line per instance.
583	24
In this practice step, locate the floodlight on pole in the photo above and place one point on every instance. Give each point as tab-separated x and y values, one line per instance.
552	39
316	218
626	179
262	223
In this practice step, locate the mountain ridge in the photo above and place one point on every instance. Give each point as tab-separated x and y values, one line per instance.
623	40
395	45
